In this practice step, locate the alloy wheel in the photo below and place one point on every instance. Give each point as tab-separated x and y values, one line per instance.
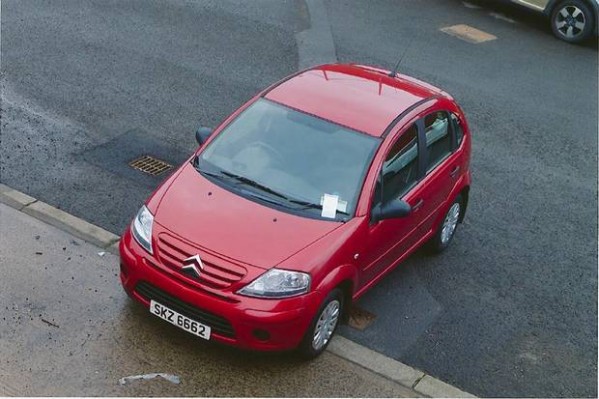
570	21
325	326
450	223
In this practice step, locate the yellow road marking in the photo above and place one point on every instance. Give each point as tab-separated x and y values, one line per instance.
468	33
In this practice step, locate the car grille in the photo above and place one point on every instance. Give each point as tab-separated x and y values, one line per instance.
215	274
218	324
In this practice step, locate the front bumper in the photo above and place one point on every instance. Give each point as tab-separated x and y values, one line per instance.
259	324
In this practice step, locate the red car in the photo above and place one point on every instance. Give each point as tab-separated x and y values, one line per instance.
297	204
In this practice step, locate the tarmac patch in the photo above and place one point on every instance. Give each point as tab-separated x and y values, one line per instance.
468	33
117	154
360	319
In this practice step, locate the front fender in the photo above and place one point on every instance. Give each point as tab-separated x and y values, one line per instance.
338	276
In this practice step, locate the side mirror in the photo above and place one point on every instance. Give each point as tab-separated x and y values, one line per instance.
393	209
202	134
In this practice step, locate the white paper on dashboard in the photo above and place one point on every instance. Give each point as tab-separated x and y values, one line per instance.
329	206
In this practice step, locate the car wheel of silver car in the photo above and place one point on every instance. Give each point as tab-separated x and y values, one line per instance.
572	21
323	325
448	226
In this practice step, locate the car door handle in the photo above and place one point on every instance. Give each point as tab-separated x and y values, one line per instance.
454	171
417	205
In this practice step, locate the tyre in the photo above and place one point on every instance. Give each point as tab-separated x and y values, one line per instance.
572	21
321	330
446	231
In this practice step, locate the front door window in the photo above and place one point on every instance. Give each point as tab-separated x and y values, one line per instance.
400	168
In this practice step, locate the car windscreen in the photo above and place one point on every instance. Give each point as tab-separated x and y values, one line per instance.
289	158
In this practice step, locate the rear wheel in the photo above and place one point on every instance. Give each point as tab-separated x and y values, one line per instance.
446	231
323	326
572	21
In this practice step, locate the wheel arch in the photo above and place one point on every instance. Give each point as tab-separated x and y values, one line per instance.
344	278
347	288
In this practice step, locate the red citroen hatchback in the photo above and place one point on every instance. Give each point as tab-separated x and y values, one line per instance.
297	204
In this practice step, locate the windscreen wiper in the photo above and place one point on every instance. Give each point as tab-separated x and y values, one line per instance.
262	187
196	165
242	179
253	183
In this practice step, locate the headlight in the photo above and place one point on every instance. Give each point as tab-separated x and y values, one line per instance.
142	228
277	283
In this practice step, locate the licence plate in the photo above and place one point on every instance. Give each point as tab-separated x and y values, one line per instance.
183	322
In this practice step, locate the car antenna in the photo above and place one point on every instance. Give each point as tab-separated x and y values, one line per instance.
393	73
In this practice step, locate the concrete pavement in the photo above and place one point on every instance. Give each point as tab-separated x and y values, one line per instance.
69	329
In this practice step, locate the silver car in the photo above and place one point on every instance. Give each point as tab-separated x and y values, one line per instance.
571	20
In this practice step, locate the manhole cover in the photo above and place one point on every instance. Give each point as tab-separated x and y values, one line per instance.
360	318
150	165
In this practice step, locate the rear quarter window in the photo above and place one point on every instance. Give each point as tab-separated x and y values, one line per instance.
438	138
459	131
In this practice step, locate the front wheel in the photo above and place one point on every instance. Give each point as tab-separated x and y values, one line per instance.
572	21
323	326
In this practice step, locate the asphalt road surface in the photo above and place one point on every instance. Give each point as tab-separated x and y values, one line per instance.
509	310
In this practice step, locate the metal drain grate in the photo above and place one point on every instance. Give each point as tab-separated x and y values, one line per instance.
360	318
150	165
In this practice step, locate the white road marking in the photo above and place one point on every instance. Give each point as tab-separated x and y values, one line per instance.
471	6
502	17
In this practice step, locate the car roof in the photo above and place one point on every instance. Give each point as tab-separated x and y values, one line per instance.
360	97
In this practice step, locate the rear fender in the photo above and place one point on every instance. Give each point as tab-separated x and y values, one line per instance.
463	183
